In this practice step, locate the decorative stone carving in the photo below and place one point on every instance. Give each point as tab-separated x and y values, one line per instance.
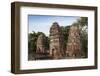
56	43
41	41
74	46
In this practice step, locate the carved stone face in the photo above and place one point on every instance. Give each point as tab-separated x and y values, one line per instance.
74	43
55	41
55	29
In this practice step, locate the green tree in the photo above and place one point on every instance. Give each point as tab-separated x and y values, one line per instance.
83	23
65	33
47	43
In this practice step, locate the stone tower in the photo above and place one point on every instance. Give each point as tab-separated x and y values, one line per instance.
74	46
56	43
41	41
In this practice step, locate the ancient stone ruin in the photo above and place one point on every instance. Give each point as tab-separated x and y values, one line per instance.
74	46
56	42
56	48
41	41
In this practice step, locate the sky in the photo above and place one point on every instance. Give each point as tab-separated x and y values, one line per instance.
42	23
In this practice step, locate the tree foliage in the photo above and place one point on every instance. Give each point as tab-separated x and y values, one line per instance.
83	23
65	33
